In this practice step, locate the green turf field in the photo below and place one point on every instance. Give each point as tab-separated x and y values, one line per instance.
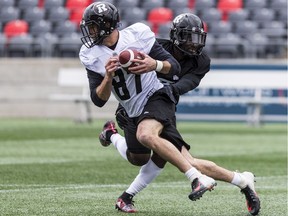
50	167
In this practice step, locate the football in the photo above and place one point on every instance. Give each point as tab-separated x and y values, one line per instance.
126	56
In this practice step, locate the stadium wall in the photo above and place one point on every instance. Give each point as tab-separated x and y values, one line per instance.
26	85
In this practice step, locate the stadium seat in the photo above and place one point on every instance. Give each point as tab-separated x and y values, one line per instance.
40	27
238	16
191	4
127	4
3	42
77	4
50	4
20	46
64	28
257	45
176	4
276	32
255	4
114	2
211	15
9	14
41	3
245	28
24	4
219	28
152	4
33	14
225	6
201	5
281	15
159	16
7	3
205	25
274	29
179	11
133	15
69	46
164	30
16	27
44	45
263	15
229	46
76	15
278	4
277	48
59	14
209	46
229	5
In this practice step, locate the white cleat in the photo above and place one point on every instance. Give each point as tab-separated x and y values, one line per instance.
252	199
200	185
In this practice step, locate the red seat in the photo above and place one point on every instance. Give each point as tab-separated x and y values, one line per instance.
76	4
16	27
41	3
158	16
76	15
191	4
225	6
205	26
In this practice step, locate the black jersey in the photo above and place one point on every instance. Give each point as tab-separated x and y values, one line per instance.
193	69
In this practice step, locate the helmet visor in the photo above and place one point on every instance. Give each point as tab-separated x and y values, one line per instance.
191	42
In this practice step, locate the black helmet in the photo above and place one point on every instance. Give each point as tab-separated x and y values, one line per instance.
187	34
98	21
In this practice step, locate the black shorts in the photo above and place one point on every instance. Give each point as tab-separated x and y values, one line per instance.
160	107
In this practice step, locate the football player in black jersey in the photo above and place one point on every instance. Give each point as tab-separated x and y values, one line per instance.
187	39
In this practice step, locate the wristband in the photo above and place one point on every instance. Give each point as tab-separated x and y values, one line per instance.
159	65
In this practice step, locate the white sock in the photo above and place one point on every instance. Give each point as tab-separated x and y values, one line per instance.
120	144
238	180
147	174
192	173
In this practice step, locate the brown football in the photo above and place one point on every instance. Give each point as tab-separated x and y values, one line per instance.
126	56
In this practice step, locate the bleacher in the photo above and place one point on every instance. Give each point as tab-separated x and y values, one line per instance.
236	28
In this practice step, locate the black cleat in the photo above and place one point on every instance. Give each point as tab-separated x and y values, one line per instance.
109	128
125	206
252	199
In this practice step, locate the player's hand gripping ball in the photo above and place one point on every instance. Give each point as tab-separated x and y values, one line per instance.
126	56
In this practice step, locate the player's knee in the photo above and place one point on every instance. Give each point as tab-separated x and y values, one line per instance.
146	139
138	159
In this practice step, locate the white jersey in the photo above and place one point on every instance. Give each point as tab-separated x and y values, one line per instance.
132	91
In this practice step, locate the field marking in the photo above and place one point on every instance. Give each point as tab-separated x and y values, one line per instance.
34	187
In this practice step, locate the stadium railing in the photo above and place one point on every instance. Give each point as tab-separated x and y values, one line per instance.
257	82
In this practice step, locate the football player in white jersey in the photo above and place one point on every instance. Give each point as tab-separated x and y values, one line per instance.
187	39
150	105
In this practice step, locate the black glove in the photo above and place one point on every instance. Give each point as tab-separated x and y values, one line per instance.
121	117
